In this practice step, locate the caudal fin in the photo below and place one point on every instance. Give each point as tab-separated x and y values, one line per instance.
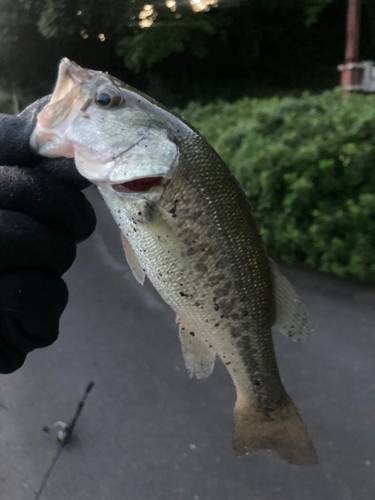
281	431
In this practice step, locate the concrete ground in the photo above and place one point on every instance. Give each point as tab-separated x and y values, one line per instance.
148	432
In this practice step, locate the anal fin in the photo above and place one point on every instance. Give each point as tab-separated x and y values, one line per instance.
292	317
199	357
133	261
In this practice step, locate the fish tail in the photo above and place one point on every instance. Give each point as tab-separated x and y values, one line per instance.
280	431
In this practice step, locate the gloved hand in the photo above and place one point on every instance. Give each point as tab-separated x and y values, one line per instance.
43	215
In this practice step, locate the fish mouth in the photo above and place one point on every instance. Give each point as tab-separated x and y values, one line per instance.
140	185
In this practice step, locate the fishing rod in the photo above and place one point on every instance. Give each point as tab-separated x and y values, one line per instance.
65	436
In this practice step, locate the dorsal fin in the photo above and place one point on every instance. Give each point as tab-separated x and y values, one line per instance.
199	357
133	261
292	317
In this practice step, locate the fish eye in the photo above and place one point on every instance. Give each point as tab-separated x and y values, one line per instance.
109	97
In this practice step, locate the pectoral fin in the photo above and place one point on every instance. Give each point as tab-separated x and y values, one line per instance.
292	317
133	261
198	355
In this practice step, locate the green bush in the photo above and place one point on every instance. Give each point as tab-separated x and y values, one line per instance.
308	168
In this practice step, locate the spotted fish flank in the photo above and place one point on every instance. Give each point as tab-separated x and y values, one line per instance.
188	227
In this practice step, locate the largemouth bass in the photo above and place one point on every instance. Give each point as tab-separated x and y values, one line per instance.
187	225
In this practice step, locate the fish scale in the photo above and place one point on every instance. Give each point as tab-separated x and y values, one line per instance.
193	234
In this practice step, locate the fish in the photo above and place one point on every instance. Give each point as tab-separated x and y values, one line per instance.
187	225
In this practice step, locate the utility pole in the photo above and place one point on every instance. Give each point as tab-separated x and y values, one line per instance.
349	70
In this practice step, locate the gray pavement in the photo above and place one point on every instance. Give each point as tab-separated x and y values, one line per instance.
150	433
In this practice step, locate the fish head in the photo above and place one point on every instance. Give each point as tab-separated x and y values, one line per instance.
119	139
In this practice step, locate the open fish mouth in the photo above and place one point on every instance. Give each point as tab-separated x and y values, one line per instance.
140	185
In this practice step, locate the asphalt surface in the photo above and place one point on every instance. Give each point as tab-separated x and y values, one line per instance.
148	432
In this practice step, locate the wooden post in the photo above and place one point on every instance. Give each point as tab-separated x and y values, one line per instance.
349	71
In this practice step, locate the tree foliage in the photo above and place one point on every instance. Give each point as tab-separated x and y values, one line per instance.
313	9
266	42
169	35
172	30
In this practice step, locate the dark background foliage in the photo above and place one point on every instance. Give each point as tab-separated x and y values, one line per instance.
258	47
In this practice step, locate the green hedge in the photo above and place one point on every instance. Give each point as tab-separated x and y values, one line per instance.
308	167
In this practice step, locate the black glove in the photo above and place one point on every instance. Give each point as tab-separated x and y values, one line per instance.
43	215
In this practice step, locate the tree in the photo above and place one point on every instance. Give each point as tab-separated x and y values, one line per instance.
180	41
